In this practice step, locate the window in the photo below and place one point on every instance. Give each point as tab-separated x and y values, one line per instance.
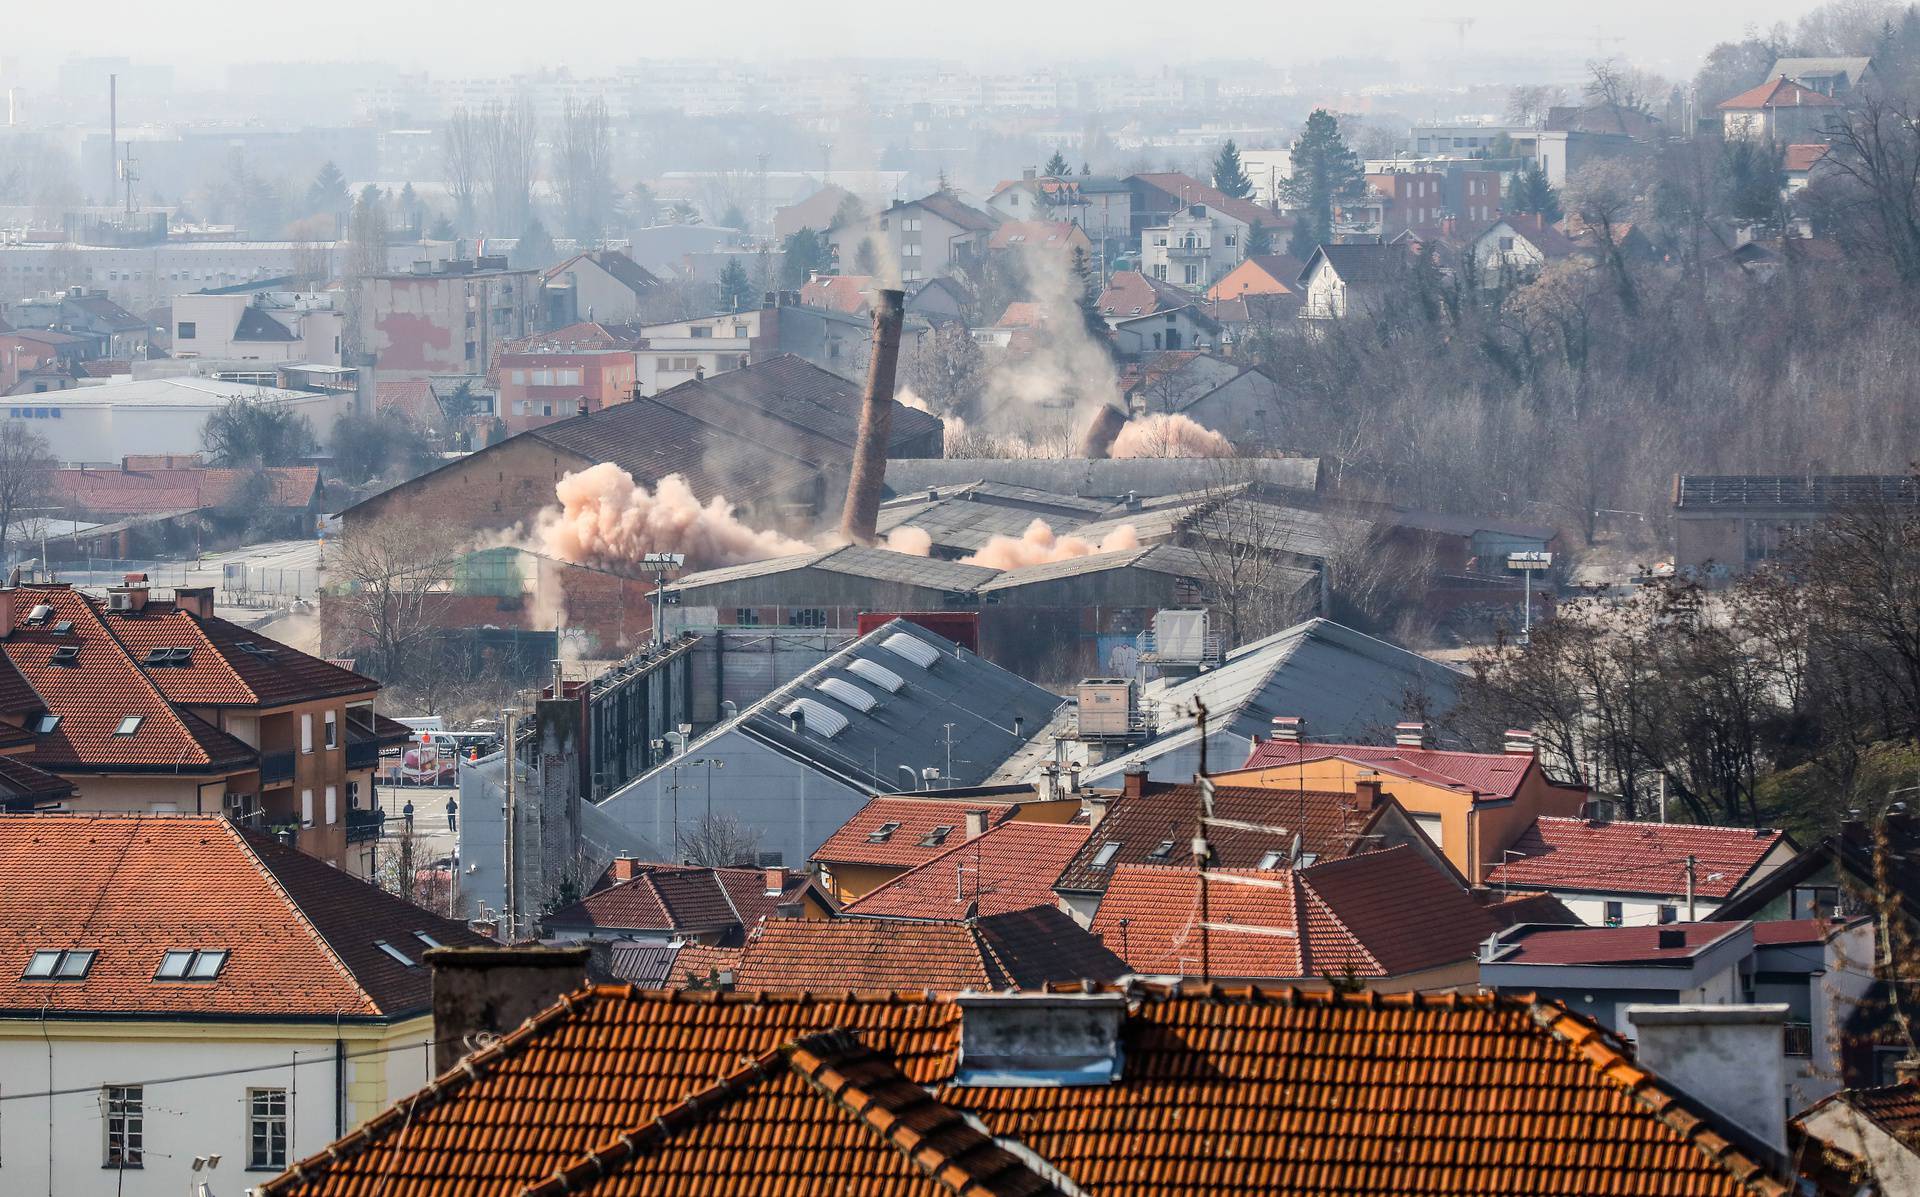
306	808
1614	915
1270	860
1161	851
46	724
882	833
1104	857
429	940
66	654
126	1124
128	726
188	330
333	731
267	1129
936	837
807	617
1669	914
52	964
699	331
746	617
180	964
306	733
1431	827
392	951
333	806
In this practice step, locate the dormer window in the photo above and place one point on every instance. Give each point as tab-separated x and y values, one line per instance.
53	964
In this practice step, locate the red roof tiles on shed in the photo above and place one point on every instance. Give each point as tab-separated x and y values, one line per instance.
1006	868
1634	858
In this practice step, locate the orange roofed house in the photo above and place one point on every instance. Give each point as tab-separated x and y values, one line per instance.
159	706
1097	1091
183	987
893	834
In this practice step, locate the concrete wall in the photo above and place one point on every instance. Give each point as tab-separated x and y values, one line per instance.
91	427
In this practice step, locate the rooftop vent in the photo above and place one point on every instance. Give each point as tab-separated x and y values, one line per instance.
846	692
876	673
815	715
1033	1040
1672	937
900	644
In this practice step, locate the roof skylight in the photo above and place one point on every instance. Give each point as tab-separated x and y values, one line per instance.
847	692
900	644
882	833
128	725
816	716
876	673
1104	857
187	964
936	837
394	952
46	723
52	964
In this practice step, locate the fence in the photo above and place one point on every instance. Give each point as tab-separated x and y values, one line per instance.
237	583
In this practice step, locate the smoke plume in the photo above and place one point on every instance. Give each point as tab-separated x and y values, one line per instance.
1162	435
955	426
910	540
606	518
1038	545
1067	369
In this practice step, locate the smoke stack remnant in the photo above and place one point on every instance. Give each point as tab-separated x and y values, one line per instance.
862	513
1097	441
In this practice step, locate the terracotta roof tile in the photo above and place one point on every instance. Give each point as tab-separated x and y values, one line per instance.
904	846
1780	92
301	935
1006	868
1895	1109
1491	775
221	670
858	953
1634	858
838	292
143	491
1221	1091
688	899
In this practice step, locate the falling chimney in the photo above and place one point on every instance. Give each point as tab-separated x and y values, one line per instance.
1289	729
1412	735
1519	742
490	991
862	513
196	601
1097	441
976	823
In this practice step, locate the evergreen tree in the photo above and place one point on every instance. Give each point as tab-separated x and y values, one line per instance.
1259	241
1089	303
441	230
802	254
1228	175
850	212
736	291
409	207
534	249
1324	170
328	195
1057	166
1531	194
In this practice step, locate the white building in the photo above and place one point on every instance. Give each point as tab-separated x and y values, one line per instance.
268	326
176	988
688	349
1197	246
153	415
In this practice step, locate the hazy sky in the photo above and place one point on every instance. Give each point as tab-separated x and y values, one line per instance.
593	35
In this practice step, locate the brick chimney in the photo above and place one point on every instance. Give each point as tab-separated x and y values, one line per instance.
1289	729
1366	792
625	868
1133	783
976	823
196	601
1413	734
490	991
776	881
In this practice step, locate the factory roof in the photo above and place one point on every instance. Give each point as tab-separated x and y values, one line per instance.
883	565
1101	477
790	402
1158	558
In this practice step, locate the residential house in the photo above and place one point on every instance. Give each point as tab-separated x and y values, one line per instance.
109	330
1799	162
180	987
1879	1127
538	388
926	238
1391	920
1156	197
816	211
1100	205
1262	828
638	902
840	292
1002	869
601	285
1408	200
1282	675
1833	77
1615	874
1729	523
1291	1082
1339	281
1473	806
1195	248
1515	249
35	361
1779	111
1822	970
1043	236
262	326
1188	327
895	833
1259	274
938	301
1130	293
1241	402
899	700
447	317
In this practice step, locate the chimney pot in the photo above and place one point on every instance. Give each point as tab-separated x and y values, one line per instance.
624	868
1519	742
1133	783
1413	734
1366	793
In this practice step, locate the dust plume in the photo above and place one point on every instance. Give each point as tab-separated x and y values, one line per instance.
1162	435
955	426
1039	545
606	518
1066	369
914	542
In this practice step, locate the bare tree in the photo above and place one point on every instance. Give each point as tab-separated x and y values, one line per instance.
1251	549
583	172
1869	187
1528	105
719	841
26	477
387	589
1624	88
464	159
508	144
1605	195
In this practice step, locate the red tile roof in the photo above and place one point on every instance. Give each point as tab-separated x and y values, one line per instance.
684	899
411	397
1035	234
142	492
1009	867
1895	1109
1189	190
301	935
1800	158
1779	93
916	820
1634	858
1612	945
1379	914
838	292
1490	775
1221	1091
219	672
1130	293
101	687
1022	313
1779	932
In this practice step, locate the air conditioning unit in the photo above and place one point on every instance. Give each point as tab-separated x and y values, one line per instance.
119	600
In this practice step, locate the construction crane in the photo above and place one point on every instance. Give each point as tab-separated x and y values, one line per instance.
1601	40
1460	26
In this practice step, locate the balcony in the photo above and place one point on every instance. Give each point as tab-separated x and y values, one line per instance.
362	753
364	826
1189	249
276	768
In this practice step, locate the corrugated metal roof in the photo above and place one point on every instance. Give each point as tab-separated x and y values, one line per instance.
651	440
1159	558
1110	479
789	402
854	560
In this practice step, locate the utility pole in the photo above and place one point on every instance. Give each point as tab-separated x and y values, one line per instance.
113	136
1691	865
510	909
1202	851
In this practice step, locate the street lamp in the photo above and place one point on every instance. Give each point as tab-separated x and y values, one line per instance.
677	738
712	763
196	1187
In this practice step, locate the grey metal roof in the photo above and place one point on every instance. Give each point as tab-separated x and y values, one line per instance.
909	726
959	523
1110	479
1159	558
1694	492
1347	685
881	564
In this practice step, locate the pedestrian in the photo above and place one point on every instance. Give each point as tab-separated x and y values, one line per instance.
407	812
453	814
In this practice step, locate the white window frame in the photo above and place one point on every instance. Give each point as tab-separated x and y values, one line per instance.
123	1119
332	740
333	805
306	808
306	732
266	1114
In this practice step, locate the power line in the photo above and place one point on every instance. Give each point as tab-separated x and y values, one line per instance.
202	1076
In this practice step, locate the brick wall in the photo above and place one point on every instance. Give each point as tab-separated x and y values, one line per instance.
496	489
